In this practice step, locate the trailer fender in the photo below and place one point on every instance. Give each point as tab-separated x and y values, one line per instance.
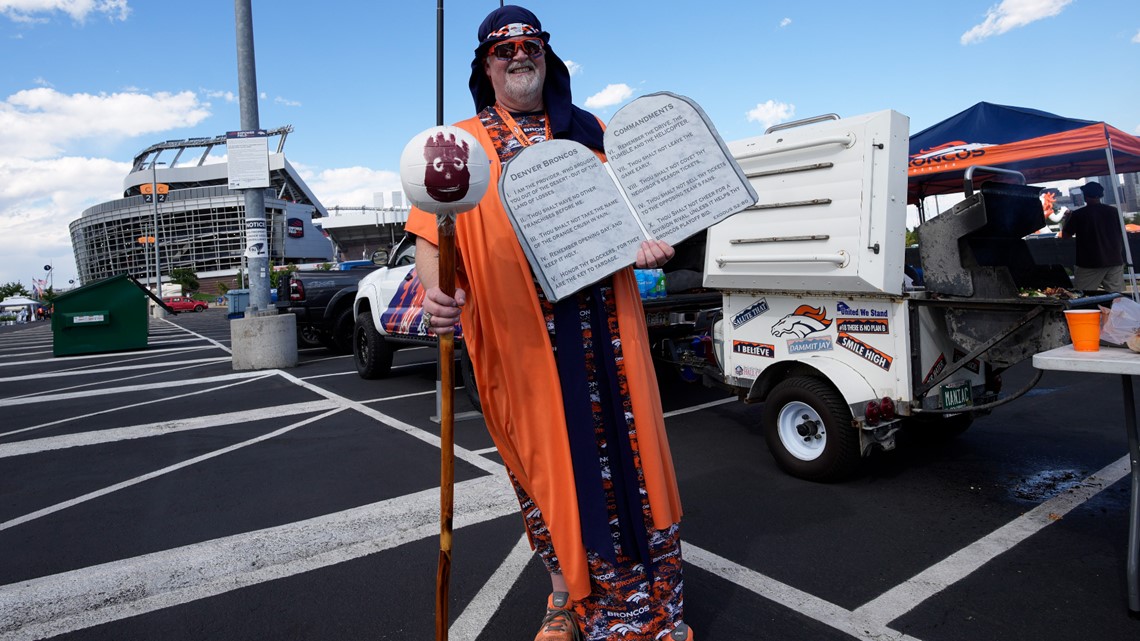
852	386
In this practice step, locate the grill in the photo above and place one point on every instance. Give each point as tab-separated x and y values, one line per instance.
975	262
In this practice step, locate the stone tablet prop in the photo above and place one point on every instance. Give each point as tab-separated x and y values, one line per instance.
669	176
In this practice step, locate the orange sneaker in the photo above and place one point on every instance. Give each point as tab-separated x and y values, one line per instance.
681	633
560	622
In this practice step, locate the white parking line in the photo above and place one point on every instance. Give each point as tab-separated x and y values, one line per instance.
469	625
166	470
55	398
171	370
461	453
87	597
205	338
148	352
160	428
106	370
908	595
164	399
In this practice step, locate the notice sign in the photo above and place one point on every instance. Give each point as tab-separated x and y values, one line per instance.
256	241
578	220
248	159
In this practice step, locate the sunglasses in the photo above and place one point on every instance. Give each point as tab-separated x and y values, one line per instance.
506	50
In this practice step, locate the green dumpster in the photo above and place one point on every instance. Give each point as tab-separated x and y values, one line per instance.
109	315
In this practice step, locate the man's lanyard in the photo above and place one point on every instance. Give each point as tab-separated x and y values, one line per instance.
509	121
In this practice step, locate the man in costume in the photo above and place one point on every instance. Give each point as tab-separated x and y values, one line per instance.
595	480
1100	243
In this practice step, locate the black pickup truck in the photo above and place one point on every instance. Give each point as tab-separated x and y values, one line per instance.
322	302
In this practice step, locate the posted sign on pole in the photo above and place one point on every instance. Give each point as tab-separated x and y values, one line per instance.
248	153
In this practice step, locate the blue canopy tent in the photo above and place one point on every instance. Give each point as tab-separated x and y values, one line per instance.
1040	145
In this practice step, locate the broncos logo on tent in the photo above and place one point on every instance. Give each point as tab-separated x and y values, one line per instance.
805	320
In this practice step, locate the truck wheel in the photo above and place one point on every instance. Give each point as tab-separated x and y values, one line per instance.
467	370
308	336
199	308
808	428
340	340
370	351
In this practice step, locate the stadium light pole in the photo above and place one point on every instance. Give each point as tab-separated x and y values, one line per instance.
154	200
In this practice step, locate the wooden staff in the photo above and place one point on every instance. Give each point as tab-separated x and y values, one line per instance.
446	223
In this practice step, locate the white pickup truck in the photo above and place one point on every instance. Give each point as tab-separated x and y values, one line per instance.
802	303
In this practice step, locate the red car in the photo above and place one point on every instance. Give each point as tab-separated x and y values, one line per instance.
184	304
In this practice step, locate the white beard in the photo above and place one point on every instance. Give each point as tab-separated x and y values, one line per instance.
523	88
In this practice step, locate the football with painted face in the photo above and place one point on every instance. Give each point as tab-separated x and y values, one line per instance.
444	170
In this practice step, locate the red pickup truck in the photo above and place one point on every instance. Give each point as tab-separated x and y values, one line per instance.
184	304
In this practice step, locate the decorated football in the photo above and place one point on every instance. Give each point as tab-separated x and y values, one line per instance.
444	170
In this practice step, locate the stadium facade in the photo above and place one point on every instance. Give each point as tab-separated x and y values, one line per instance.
201	223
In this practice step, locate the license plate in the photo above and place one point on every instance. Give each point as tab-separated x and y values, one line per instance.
657	319
956	395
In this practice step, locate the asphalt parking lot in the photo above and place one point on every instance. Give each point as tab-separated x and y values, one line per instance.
158	494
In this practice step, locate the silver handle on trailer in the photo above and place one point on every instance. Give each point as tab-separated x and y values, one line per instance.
968	179
847	140
841	259
800	123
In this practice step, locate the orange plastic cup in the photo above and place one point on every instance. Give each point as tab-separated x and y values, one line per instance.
1084	329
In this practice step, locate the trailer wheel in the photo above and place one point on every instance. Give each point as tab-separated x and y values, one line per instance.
808	428
370	350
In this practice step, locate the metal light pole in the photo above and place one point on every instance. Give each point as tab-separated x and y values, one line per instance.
254	198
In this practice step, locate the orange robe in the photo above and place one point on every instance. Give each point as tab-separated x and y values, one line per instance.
519	389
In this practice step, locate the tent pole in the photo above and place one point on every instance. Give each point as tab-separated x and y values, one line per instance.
1120	204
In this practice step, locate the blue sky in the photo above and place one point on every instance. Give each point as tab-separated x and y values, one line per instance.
89	83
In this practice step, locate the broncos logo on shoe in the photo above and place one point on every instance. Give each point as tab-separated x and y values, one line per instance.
805	320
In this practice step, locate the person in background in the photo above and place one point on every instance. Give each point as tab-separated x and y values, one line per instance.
1100	242
568	389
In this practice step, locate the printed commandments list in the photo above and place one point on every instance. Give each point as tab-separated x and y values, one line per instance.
674	168
571	215
669	177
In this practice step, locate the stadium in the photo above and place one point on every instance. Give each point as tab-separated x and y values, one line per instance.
201	222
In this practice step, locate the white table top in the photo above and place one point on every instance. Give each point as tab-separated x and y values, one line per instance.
1108	360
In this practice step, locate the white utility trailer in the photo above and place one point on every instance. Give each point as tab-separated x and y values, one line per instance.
818	319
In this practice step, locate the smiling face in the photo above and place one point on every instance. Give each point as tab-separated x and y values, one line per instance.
446	176
518	81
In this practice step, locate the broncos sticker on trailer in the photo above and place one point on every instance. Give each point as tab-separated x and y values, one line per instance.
800	325
805	320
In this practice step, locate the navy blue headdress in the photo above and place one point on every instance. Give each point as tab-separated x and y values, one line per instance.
566	120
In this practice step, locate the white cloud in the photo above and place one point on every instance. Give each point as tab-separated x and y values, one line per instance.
79	10
1136	38
38	199
350	186
610	96
1011	14
228	96
770	113
286	102
785	22
38	123
574	67
44	185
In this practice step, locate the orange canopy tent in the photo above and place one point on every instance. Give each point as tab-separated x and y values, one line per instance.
1040	145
